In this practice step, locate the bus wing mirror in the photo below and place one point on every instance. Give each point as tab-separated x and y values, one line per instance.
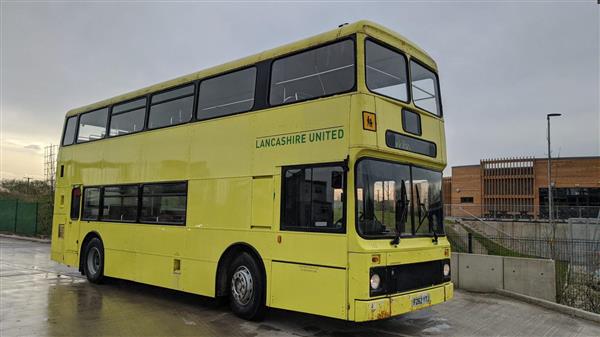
337	180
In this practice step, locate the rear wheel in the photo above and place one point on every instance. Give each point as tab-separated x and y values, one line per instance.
246	288
93	261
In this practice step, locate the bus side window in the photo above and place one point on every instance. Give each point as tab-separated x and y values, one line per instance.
312	199
75	202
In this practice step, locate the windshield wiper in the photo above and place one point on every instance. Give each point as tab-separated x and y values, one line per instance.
401	213
421	207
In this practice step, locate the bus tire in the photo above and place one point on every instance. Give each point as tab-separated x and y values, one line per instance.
246	288
93	261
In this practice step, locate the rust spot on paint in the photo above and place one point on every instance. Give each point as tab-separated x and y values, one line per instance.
381	314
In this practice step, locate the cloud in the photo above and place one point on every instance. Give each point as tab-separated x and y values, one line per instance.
502	66
33	147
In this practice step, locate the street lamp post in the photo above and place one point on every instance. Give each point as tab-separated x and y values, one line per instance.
550	200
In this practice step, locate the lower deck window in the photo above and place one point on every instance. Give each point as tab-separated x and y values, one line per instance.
164	203
91	203
120	203
157	203
313	199
75	202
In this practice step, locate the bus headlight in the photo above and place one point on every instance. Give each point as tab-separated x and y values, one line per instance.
375	281
446	269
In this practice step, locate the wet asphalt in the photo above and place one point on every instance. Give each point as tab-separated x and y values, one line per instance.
41	298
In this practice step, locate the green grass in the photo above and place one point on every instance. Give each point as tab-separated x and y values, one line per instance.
455	242
494	248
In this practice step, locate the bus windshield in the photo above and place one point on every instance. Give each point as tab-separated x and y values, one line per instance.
397	198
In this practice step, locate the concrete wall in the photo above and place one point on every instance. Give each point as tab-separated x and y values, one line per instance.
531	277
575	229
486	273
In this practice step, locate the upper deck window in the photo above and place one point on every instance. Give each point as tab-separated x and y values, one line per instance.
92	125
227	94
315	73
172	107
386	71
70	127
424	86
128	117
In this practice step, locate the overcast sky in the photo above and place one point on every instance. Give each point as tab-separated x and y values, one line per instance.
503	66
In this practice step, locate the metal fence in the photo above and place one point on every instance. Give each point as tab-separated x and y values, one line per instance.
23	218
577	261
521	212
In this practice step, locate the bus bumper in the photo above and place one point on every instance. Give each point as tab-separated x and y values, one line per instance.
401	304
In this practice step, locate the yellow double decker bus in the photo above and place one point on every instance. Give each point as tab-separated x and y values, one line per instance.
307	177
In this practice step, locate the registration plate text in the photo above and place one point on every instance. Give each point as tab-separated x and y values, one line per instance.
421	300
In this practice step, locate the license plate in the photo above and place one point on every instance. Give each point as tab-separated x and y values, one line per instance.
421	300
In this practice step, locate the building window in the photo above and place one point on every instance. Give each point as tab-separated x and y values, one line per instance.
227	94
120	203
92	125
172	107
70	128
386	71
75	202
91	203
315	73
164	203
466	200
424	85
313	199
571	202
128	117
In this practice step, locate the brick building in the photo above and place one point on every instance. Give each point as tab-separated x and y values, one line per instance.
518	188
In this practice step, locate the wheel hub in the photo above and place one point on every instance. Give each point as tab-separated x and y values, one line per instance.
242	285
93	260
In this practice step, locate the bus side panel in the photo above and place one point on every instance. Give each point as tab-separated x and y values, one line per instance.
158	246
308	288
309	273
303	134
59	220
71	241
198	277
119	241
220	203
119	264
206	246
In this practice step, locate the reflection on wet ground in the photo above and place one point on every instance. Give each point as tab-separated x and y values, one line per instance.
41	298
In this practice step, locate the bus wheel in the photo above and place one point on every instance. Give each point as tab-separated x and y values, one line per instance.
93	261
247	288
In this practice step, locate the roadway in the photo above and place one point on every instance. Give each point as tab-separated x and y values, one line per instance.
41	298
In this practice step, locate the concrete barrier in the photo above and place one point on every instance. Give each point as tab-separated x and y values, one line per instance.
481	273
487	273
454	269
531	277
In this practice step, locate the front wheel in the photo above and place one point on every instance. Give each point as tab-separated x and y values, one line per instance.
247	288
93	261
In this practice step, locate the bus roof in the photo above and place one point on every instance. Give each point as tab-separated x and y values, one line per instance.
363	26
